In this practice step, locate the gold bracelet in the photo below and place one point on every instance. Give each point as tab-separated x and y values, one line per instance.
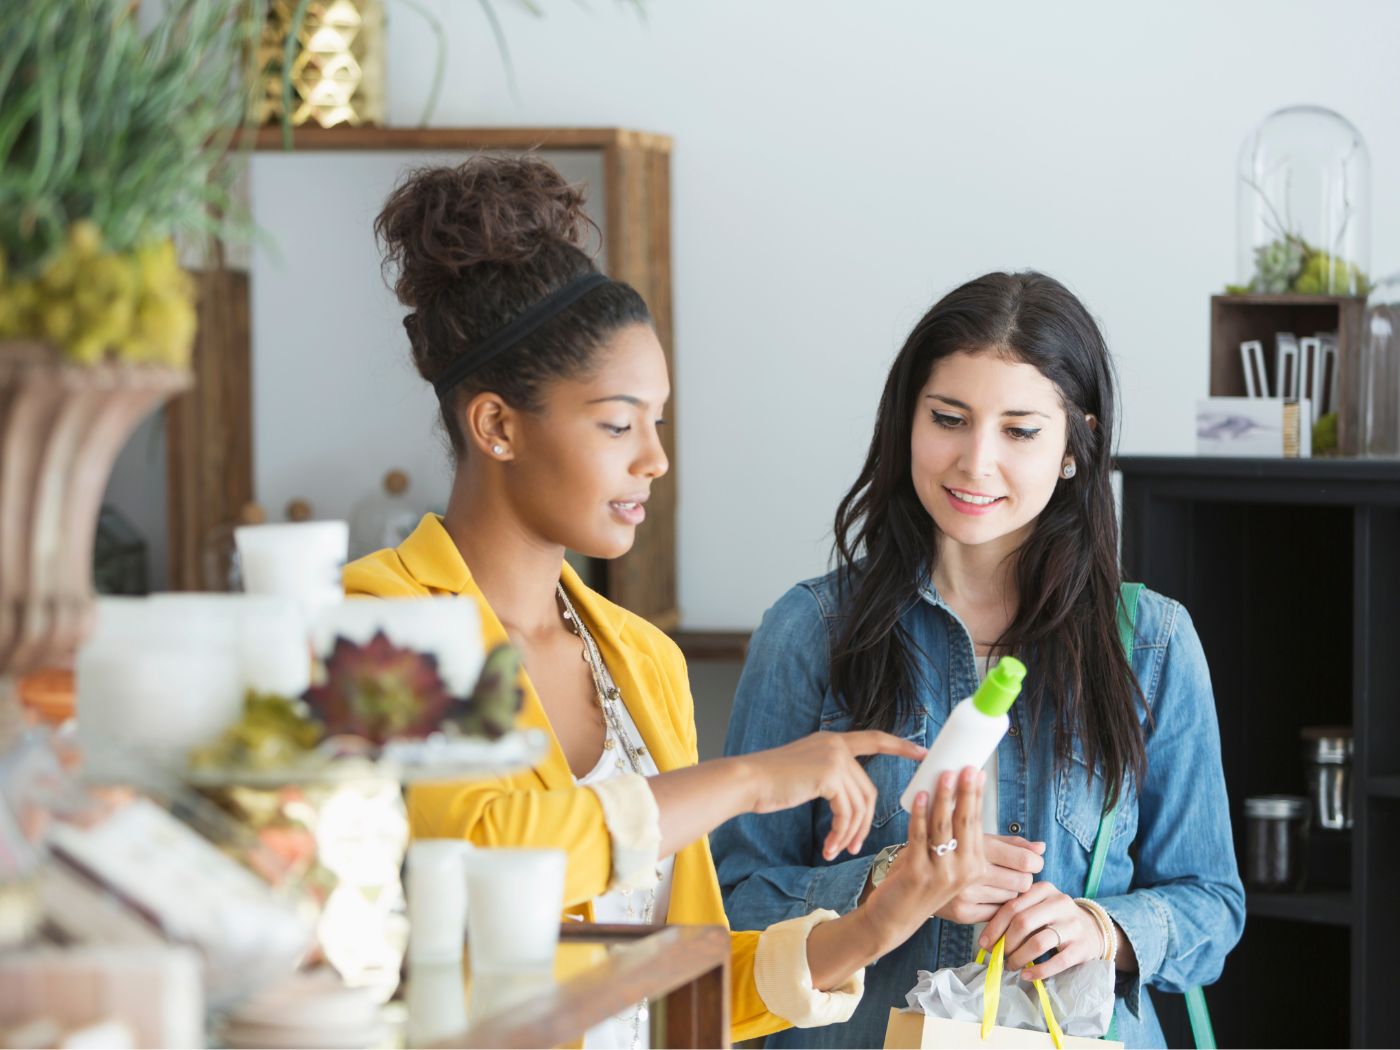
884	860
1105	924
1097	913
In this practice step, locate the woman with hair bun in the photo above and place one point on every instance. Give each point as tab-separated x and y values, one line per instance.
551	384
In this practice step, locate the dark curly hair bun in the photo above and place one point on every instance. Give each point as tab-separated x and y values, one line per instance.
471	248
487	211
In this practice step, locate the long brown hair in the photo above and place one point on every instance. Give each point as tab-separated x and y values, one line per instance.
1066	625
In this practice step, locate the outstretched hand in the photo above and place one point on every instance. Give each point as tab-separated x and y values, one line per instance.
823	765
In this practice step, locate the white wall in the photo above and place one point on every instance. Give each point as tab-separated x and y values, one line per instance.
838	165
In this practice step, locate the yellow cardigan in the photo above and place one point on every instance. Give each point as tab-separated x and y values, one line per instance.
543	807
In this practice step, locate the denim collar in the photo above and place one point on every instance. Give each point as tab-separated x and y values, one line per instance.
929	593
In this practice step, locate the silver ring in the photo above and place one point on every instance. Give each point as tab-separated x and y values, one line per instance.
1058	940
944	848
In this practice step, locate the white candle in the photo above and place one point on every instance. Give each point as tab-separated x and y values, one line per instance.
514	900
303	560
437	901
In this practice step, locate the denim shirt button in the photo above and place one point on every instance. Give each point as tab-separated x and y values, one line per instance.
1015	730
1015	828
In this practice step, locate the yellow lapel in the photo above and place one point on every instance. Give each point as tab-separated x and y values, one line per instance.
433	560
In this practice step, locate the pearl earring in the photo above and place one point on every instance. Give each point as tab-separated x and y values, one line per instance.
1069	470
498	449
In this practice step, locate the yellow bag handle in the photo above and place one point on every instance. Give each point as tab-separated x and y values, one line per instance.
991	995
991	987
1056	1036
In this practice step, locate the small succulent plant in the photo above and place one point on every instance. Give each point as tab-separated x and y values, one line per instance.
379	690
371	693
1291	264
1277	264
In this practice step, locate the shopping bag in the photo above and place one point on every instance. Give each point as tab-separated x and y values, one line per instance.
913	1027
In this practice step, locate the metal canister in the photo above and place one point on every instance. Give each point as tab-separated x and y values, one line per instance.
1327	754
1276	839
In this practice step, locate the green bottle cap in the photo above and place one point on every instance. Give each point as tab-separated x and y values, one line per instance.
1000	688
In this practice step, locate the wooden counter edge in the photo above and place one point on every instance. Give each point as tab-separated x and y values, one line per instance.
686	965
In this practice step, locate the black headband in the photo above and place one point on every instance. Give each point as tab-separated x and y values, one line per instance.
504	338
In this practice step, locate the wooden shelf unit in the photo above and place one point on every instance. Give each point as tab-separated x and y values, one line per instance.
1237	318
1288	569
365	138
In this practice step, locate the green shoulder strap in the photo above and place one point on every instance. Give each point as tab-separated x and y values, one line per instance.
1127	621
1196	1008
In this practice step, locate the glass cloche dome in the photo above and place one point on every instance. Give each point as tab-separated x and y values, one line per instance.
1304	206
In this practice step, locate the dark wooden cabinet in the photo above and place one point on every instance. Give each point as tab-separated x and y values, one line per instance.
1290	570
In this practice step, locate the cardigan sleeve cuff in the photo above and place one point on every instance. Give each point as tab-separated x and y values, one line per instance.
634	826
784	981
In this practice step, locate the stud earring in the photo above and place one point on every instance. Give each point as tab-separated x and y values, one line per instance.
498	449
1069	471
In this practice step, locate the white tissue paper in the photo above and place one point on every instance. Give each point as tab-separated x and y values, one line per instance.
1082	997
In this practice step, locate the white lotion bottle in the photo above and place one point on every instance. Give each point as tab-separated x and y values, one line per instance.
973	730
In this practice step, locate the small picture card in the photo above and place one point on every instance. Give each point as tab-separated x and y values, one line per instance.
1272	427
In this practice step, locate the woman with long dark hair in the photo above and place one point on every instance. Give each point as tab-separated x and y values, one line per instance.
982	524
551	386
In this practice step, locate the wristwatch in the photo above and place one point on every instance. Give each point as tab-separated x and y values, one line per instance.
884	860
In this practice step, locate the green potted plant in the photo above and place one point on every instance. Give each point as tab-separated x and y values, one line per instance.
114	139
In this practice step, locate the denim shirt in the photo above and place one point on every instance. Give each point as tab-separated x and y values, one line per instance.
1171	881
